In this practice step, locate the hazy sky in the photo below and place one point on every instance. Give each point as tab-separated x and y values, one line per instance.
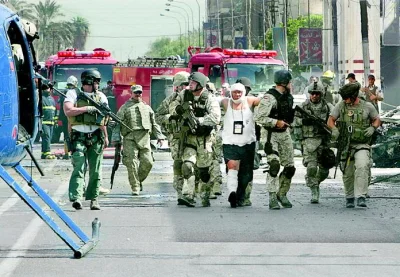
127	27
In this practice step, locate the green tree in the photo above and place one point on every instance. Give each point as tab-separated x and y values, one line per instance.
80	32
316	21
165	46
21	7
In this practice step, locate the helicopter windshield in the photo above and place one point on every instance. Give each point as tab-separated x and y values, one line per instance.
62	72
260	75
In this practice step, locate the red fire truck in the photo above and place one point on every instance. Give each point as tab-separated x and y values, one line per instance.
71	62
227	65
153	74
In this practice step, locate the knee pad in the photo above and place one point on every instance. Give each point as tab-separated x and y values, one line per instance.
178	167
312	169
187	170
204	174
288	171
274	167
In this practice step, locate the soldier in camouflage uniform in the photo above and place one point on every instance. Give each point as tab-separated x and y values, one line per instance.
137	155
201	112
275	114
356	122
171	125
372	92
314	140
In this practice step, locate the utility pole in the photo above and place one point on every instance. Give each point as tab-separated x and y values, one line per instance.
232	28
364	36
263	23
218	26
335	43
285	26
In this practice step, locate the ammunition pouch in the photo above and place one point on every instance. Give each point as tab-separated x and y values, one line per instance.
358	136
87	139
204	131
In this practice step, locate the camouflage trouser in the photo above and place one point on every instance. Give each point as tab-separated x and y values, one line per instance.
356	173
282	151
178	177
138	160
315	173
215	171
84	146
197	152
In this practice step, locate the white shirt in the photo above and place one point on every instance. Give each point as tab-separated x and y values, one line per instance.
72	97
249	130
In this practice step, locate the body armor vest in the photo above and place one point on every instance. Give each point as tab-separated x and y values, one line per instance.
352	116
86	118
199	110
320	110
137	116
284	110
370	92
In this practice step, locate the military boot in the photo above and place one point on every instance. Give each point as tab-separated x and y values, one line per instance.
187	201
273	201
361	202
284	201
94	205
205	199
350	202
314	195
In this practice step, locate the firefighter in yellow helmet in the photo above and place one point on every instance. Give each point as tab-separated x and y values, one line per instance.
330	95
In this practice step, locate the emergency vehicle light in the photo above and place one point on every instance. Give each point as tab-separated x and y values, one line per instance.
82	54
250	53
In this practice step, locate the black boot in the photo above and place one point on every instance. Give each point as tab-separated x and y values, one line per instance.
361	202
350	202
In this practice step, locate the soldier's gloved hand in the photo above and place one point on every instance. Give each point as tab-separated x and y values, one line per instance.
92	110
335	133
369	131
179	110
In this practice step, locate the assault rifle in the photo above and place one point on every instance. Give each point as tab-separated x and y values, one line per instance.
102	108
189	116
343	144
117	159
317	121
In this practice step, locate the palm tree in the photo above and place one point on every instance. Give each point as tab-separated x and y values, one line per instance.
80	32
54	34
21	7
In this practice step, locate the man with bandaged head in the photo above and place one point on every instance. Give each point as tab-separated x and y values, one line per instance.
239	138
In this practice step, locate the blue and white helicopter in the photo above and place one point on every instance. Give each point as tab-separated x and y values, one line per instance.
20	109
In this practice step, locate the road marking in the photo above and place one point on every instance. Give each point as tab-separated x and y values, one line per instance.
11	201
12	260
14	257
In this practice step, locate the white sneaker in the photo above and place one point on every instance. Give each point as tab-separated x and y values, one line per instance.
103	191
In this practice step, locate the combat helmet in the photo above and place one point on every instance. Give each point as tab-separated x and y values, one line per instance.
244	81
88	77
282	77
350	90
180	78
316	87
199	78
72	80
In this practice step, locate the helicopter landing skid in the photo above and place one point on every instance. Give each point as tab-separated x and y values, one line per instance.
79	249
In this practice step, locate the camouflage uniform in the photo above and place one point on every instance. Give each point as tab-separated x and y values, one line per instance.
171	125
137	155
278	144
216	174
198	149
355	131
313	141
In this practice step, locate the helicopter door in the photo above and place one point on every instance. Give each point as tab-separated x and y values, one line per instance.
27	97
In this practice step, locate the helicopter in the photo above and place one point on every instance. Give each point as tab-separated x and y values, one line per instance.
20	111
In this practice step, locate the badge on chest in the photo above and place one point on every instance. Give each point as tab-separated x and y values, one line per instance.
238	127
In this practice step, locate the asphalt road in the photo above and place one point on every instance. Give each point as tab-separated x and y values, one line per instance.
150	235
